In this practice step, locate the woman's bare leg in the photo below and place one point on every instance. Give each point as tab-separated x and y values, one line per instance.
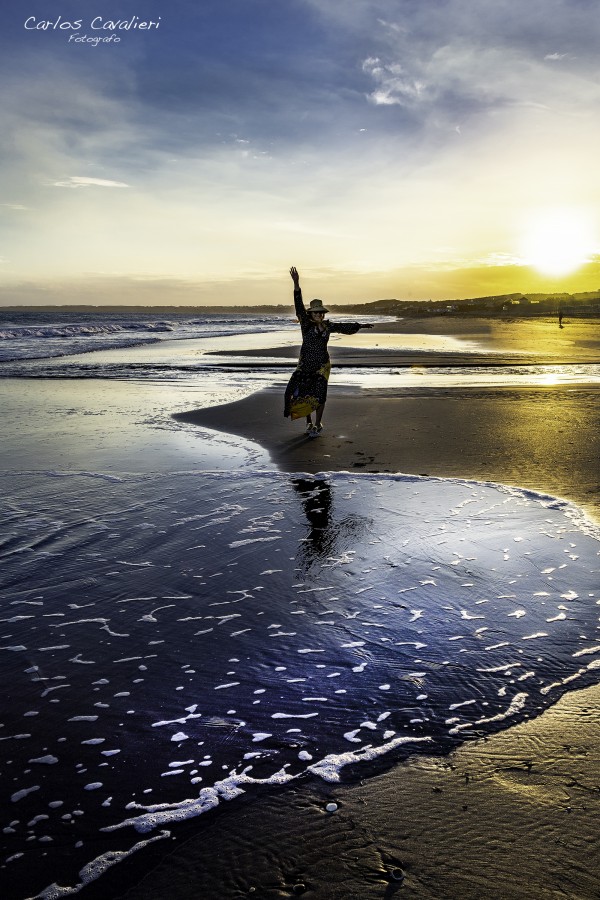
319	414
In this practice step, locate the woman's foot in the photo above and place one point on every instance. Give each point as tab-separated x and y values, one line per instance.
309	427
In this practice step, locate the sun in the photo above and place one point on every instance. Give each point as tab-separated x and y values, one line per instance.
558	241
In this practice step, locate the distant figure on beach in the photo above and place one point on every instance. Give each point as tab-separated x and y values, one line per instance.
560	315
307	388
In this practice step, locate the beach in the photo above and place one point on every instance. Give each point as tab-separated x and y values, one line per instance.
509	811
543	438
512	816
539	434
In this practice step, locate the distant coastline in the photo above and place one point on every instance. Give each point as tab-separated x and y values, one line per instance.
516	305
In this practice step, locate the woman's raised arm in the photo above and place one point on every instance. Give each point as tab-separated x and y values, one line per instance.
298	301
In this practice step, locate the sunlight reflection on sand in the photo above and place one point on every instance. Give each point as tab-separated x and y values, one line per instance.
436	343
502	376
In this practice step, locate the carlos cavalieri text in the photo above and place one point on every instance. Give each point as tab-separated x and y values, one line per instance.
97	24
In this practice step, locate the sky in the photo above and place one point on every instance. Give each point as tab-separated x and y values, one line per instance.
412	149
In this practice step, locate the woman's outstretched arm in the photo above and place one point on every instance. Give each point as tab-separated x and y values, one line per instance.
348	327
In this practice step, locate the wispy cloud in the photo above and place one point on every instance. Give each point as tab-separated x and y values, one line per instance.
76	181
394	86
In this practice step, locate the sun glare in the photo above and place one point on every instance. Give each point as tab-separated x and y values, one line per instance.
558	241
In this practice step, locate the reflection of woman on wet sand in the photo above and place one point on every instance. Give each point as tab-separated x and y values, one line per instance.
326	536
307	389
316	500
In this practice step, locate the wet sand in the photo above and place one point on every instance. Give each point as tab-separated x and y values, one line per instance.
577	339
511	817
486	342
543	438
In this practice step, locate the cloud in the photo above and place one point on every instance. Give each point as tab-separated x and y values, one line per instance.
464	61
394	87
59	116
76	181
460	79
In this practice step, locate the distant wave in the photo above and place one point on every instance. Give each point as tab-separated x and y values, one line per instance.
35	336
79	329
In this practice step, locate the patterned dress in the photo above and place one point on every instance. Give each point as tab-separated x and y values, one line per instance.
307	388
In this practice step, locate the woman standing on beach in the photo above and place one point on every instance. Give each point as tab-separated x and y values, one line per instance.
307	388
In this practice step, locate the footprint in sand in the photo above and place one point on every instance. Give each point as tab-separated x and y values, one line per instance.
363	462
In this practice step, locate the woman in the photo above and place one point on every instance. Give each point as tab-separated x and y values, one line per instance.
307	388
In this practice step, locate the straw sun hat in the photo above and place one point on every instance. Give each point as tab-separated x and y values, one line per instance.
317	306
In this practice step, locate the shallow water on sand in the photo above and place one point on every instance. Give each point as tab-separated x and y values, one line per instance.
113	425
173	640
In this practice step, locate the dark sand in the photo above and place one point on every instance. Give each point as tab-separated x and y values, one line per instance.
513	817
545	438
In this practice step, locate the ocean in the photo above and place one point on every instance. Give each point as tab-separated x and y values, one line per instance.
41	335
186	625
